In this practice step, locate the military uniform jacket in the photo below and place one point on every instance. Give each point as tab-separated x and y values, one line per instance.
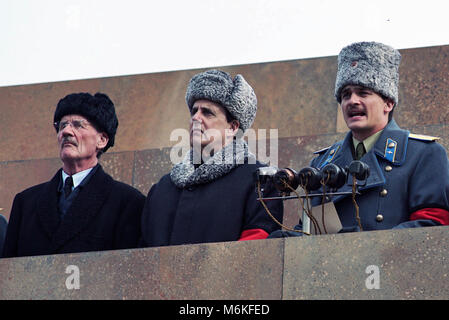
407	173
105	215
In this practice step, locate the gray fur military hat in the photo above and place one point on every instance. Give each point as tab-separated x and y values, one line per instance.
369	64
236	95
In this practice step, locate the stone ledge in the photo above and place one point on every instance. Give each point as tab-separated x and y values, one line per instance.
228	270
412	264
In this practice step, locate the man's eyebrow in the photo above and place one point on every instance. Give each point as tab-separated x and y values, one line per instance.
345	90
355	88
206	108
362	89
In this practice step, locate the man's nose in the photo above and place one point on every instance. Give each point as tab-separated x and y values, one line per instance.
353	99
196	116
67	130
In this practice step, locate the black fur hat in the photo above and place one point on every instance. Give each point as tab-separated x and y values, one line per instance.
98	109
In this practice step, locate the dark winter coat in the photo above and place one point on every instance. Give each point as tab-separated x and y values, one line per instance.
212	203
105	215
3	226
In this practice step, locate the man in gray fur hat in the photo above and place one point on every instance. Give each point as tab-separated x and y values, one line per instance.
210	196
408	184
81	208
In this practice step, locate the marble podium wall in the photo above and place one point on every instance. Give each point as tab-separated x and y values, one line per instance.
408	264
295	97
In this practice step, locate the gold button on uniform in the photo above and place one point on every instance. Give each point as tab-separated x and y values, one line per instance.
383	193
391	145
379	218
388	168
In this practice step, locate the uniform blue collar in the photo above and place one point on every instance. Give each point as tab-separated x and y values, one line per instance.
391	146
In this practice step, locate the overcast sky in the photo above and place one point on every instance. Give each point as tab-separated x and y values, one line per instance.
55	40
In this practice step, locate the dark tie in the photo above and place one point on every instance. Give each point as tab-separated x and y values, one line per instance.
68	184
359	151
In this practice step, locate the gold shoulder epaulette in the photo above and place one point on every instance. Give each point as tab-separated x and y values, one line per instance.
422	137
321	150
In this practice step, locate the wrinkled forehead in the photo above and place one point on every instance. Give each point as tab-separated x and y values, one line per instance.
358	88
215	107
203	103
355	87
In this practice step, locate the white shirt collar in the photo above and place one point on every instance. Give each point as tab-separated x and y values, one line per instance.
77	177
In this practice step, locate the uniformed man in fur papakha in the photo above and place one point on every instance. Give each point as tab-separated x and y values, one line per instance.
81	208
210	196
408	182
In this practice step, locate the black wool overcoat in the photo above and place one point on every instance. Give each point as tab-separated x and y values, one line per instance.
211	212
105	215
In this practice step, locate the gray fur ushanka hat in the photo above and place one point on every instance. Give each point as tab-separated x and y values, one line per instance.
236	95
369	64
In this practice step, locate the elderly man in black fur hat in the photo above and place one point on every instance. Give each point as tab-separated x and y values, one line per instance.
81	208
210	196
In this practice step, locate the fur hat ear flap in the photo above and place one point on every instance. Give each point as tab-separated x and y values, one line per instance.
243	102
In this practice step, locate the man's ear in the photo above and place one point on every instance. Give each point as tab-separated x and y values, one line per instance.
389	105
102	140
235	125
233	129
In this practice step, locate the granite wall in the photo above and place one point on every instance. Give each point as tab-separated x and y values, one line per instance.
295	97
392	264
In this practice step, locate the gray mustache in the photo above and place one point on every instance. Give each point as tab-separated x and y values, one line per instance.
68	140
